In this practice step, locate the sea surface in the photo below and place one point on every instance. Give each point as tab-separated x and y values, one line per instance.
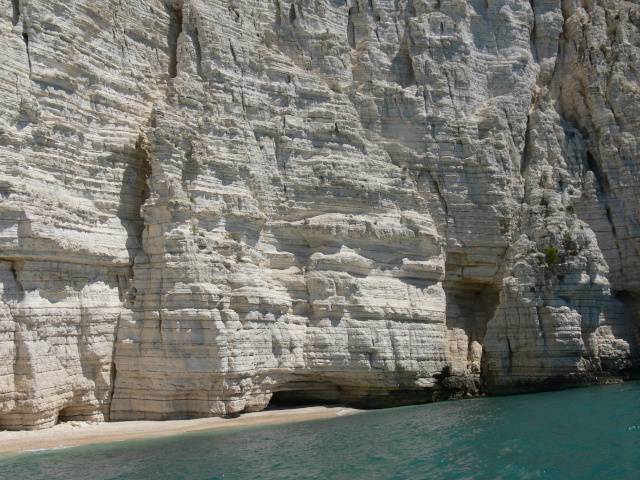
586	433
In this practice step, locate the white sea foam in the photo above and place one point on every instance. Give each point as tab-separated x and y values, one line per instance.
59	447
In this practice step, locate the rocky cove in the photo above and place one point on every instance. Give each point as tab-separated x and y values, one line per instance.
208	205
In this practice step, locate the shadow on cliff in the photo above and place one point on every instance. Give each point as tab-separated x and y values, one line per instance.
134	191
470	306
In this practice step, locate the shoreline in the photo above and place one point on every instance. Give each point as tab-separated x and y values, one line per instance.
79	433
75	433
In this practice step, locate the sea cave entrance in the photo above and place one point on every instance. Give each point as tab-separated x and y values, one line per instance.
305	392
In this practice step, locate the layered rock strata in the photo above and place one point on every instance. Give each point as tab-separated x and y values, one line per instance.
210	205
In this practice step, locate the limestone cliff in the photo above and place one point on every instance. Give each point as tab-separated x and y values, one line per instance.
209	203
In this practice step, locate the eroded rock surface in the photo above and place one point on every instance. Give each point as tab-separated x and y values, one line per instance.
206	204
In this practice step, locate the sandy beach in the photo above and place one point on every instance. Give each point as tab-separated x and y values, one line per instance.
81	433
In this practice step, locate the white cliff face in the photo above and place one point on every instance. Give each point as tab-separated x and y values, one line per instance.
77	83
207	203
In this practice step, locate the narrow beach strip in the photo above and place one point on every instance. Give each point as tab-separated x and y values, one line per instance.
71	434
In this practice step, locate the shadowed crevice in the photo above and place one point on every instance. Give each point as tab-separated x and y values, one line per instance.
351	29
175	29
292	13
16	12
25	37
198	48
526	153
134	192
278	13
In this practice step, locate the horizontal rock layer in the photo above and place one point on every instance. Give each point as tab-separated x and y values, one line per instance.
209	205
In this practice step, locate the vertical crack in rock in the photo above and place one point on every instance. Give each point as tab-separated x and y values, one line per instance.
16	266
198	48
532	41
278	13
175	29
25	38
16	15
112	373
510	364
526	152
610	219
233	52
133	193
351	29
292	13
16	12
433	181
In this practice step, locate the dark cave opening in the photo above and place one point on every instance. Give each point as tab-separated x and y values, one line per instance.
65	415
305	393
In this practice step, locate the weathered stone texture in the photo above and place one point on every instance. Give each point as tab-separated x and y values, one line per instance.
209	203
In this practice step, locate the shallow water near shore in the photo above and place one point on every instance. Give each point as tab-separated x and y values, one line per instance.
586	433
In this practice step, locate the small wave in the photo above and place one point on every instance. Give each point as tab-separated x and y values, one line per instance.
59	447
344	412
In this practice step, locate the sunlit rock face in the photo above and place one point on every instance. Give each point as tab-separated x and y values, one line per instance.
209	205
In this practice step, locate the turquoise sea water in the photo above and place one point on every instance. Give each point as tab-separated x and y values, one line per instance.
587	433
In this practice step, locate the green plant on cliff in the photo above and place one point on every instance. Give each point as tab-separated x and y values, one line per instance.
552	256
